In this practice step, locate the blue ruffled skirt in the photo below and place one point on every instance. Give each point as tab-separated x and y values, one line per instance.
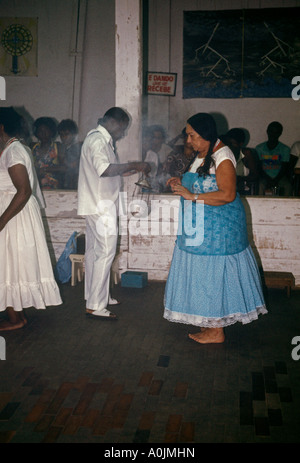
213	291
214	279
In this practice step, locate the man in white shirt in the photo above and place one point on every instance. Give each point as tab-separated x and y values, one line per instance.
98	191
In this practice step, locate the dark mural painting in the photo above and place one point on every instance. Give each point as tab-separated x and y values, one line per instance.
241	53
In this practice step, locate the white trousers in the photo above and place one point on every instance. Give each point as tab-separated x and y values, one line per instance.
101	244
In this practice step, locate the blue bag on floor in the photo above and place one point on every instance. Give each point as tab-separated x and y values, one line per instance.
63	268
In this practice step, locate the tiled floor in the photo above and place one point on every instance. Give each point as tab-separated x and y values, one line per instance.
142	380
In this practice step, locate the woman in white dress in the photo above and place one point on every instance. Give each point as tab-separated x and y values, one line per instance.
26	275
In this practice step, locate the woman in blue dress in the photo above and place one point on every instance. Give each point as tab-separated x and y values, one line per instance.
213	280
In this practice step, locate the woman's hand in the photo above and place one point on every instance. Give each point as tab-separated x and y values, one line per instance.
178	189
173	181
184	192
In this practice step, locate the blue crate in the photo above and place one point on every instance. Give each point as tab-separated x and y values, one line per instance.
134	279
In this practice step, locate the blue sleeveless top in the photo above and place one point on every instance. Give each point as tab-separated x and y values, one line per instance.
210	230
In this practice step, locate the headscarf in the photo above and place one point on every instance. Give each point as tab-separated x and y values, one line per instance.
204	124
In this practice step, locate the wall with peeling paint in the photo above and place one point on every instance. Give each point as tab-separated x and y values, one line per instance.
147	245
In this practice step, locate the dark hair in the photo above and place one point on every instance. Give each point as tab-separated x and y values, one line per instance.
204	124
48	121
69	125
236	134
116	113
276	125
10	120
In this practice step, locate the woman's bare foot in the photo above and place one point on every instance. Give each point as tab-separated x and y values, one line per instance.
15	320
209	336
6	325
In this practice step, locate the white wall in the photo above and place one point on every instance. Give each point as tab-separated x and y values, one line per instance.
98	79
76	60
49	93
166	55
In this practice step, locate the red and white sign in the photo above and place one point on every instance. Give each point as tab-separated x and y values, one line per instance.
161	83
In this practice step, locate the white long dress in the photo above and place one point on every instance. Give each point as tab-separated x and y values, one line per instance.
26	275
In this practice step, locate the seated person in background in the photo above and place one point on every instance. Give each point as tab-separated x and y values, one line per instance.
156	154
68	132
247	168
181	147
146	137
23	136
47	153
147	154
151	158
159	149
181	156
295	164
295	154
274	159
177	161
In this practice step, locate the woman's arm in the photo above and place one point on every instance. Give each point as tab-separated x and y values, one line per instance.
20	179
226	193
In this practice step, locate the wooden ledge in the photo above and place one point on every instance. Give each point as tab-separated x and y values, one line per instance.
280	280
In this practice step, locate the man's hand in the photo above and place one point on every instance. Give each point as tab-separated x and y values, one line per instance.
143	167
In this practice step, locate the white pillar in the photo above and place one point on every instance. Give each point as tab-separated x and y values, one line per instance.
77	40
129	77
129	81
